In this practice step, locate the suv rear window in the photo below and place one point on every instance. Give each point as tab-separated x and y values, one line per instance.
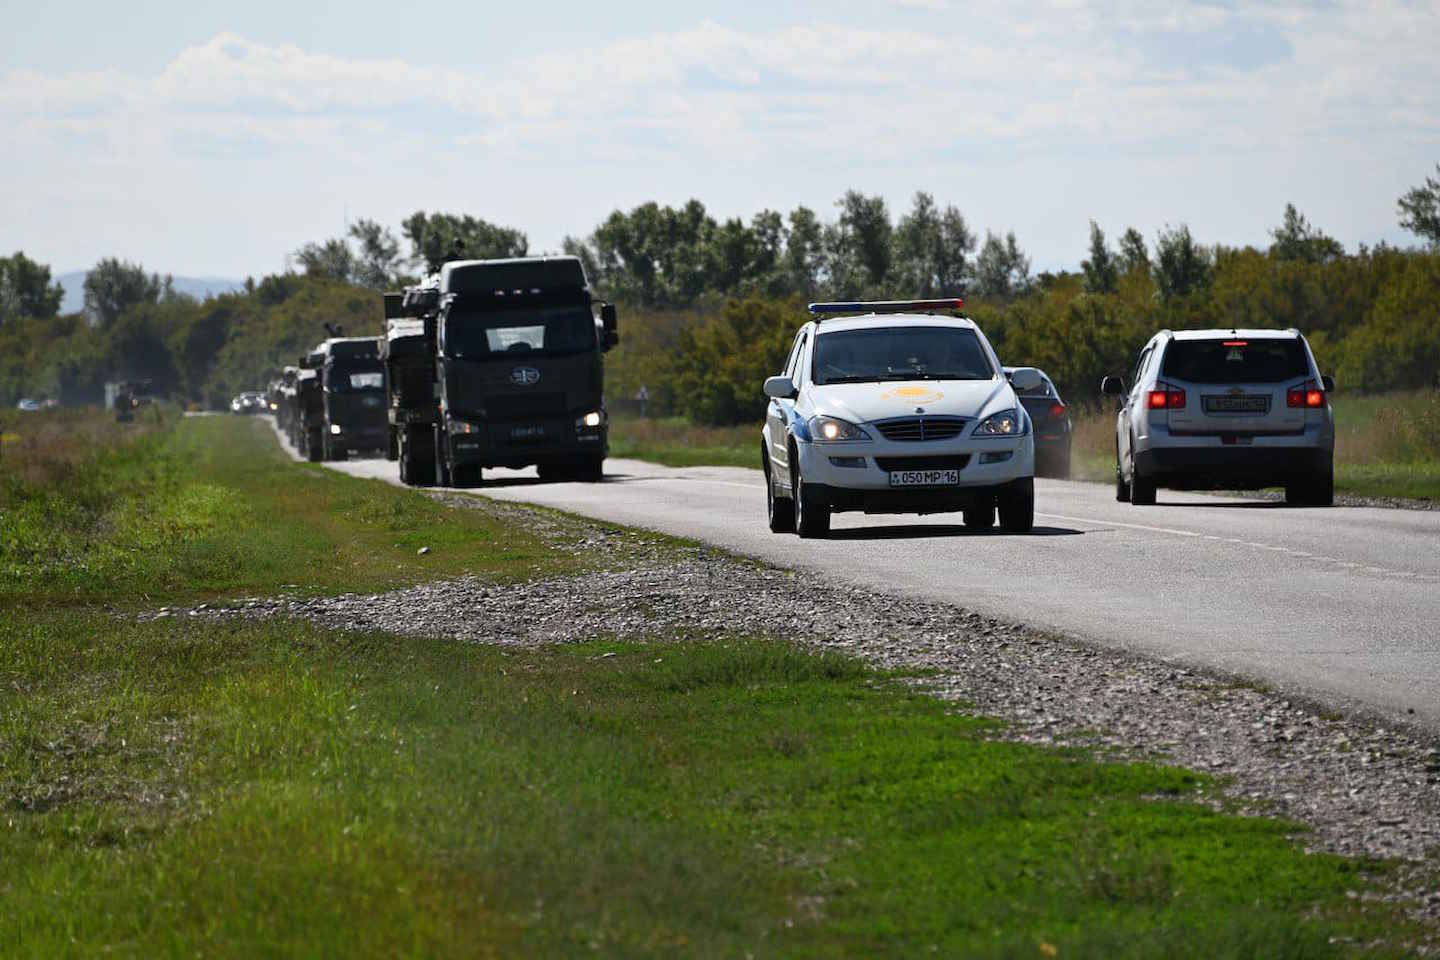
1235	361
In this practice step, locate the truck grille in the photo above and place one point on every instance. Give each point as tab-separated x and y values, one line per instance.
957	462
525	406
916	429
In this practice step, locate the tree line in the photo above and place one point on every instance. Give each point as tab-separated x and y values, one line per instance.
711	305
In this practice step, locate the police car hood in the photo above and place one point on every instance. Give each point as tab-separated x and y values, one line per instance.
866	402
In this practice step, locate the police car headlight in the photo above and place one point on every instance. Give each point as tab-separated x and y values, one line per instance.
832	430
1006	423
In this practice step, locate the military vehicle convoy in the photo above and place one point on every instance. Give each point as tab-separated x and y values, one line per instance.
308	419
497	363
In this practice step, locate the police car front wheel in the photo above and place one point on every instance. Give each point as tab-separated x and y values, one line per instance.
812	514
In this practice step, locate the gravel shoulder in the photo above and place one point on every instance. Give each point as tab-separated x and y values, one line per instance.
1353	787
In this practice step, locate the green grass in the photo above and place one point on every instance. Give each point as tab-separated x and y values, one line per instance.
170	789
182	787
675	442
210	507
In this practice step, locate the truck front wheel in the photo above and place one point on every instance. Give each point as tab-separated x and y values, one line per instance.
591	470
314	445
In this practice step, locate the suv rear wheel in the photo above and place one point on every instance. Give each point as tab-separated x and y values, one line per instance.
1317	491
1142	489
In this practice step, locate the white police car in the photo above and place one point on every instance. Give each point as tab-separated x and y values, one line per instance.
897	411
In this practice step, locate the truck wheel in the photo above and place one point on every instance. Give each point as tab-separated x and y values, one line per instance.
392	445
1017	507
314	445
467	475
417	458
592	470
442	463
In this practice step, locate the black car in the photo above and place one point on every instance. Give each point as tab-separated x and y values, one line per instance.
1052	425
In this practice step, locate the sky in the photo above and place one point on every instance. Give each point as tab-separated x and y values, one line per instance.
213	140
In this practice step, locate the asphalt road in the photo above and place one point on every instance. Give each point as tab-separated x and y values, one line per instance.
1339	604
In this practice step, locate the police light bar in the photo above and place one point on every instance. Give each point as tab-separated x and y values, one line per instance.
886	306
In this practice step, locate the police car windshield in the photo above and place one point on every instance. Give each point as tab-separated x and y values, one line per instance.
899	353
544	331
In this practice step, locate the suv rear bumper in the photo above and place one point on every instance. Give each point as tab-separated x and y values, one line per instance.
1238	467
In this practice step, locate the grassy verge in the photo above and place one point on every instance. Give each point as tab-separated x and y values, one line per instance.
182	786
209	507
676	442
199	788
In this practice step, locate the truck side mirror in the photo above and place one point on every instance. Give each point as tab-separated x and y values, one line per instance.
609	323
780	388
1112	387
1328	382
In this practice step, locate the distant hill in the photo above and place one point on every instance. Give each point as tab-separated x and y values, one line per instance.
197	287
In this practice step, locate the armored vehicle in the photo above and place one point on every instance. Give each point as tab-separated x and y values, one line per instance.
308	420
497	363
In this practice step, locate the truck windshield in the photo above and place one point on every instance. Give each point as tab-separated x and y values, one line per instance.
479	335
900	353
356	380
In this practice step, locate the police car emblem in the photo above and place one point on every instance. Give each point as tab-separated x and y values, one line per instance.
524	376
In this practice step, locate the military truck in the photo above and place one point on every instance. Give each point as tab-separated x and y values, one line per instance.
497	363
308	419
352	395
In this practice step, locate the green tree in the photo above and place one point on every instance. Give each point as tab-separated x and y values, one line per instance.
866	235
1420	211
932	248
432	238
377	261
113	287
331	260
1296	239
1133	254
1181	265
26	290
804	251
1101	270
1002	271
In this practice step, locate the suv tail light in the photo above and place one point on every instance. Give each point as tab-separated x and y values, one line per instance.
1057	409
1309	395
1165	397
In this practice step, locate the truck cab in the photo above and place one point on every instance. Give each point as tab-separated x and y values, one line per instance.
309	415
498	363
352	382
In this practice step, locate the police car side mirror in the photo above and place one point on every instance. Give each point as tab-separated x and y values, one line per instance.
1328	382
780	388
1112	386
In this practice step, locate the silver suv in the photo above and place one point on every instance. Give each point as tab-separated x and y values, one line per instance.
1225	409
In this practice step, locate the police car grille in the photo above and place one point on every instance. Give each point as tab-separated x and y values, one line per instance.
957	462
915	429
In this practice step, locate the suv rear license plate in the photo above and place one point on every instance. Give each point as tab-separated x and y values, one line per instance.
527	433
924	478
1237	404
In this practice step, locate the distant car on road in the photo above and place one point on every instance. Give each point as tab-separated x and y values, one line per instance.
1225	409
1051	419
249	402
27	405
903	410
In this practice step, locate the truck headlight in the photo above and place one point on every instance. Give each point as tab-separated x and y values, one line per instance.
1006	423
834	430
335	429
590	421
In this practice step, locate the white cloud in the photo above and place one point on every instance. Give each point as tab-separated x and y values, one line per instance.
1003	86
